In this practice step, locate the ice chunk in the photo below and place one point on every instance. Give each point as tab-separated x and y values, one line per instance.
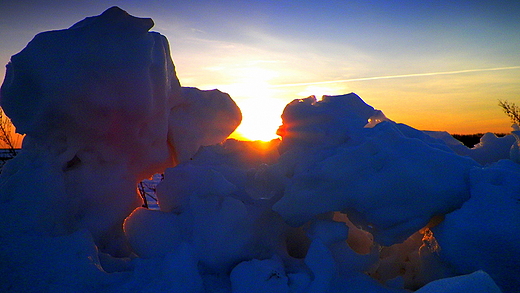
330	121
245	165
202	211
329	232
176	272
260	276
490	149
152	233
483	233
186	180
201	118
101	102
83	95
320	261
477	282
103	84
514	153
390	184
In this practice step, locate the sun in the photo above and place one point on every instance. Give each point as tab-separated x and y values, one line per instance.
255	97
261	119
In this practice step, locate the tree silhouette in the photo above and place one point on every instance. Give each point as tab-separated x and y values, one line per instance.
511	109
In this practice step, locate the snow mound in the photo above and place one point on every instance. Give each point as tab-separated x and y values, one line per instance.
483	234
101	108
477	282
491	148
390	184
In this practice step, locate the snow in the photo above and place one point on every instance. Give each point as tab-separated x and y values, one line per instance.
266	275
490	149
377	180
480	232
478	281
346	201
108	116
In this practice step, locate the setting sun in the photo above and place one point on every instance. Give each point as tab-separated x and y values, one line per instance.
261	109
261	119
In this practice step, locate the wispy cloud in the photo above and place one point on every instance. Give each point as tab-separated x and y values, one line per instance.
396	76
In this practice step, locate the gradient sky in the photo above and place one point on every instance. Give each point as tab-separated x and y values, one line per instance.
434	65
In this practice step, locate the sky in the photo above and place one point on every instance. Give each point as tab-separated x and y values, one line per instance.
434	65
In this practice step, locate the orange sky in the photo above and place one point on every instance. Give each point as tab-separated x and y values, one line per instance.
458	102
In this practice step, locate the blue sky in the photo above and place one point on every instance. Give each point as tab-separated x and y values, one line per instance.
252	49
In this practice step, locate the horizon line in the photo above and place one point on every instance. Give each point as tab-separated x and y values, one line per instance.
396	76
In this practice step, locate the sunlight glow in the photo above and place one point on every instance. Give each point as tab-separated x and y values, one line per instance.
255	97
262	98
261	119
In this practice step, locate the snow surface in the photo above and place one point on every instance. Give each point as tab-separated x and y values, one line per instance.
490	149
346	201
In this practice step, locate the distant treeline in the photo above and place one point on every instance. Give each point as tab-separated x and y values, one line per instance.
470	140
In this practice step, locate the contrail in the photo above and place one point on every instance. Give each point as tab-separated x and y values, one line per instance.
396	76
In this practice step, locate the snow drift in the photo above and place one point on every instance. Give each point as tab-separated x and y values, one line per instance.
346	201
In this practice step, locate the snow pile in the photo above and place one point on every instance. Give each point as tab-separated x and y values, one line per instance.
99	104
480	234
346	201
373	174
515	149
201	118
490	149
478	281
